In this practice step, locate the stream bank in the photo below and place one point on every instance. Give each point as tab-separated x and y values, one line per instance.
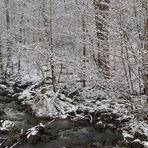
60	133
108	122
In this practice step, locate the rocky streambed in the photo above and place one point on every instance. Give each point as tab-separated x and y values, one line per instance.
59	134
96	121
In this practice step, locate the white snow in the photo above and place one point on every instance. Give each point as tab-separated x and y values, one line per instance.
7	124
33	132
25	95
32	77
137	140
126	135
139	126
49	104
145	143
41	125
3	86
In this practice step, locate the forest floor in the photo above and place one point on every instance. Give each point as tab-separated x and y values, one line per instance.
123	114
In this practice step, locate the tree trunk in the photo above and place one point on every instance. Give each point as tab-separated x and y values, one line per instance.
145	75
1	63
101	9
84	51
145	45
9	67
49	40
20	41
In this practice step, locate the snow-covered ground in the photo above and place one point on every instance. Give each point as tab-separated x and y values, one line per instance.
129	112
45	103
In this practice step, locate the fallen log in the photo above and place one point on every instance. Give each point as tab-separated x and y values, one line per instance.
32	135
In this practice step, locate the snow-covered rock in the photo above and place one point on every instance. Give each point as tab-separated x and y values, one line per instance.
145	144
126	135
47	103
3	86
33	136
7	124
25	95
122	113
136	144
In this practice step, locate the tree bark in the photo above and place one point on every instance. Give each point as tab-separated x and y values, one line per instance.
145	46
1	63
84	51
145	75
9	67
102	9
49	40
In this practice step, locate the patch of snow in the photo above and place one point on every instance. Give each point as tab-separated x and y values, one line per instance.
100	122
34	132
3	86
41	125
126	135
7	124
104	107
137	140
25	95
51	105
3	129
124	117
145	144
98	102
139	126
30	78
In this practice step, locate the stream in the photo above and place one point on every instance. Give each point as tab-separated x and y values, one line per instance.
60	133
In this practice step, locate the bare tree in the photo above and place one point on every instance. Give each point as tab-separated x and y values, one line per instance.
145	46
1	63
9	68
47	21
101	8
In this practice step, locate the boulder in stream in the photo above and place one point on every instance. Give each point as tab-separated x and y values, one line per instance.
33	137
136	144
6	126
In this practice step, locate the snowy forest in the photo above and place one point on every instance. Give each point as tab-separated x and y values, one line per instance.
73	73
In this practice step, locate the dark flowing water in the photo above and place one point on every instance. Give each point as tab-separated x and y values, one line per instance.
60	133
